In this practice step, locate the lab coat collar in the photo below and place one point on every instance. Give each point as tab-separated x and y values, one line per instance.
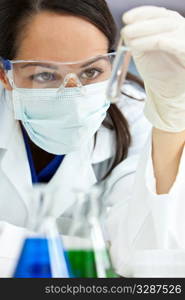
14	161
11	147
15	164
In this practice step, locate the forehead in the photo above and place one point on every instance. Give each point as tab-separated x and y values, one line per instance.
57	37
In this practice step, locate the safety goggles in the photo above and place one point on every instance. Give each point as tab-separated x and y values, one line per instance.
49	74
34	74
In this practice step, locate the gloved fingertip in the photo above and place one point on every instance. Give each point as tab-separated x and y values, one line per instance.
124	36
126	18
122	32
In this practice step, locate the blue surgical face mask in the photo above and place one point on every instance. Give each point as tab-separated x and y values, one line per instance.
61	122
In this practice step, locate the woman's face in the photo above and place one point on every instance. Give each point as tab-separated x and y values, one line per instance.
60	38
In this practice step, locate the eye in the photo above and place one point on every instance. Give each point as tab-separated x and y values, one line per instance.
90	74
43	77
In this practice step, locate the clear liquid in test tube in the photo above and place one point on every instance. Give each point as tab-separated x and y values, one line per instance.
119	72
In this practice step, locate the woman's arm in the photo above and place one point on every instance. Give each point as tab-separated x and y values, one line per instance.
166	153
155	37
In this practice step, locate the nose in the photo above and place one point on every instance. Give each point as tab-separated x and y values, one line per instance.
71	83
71	80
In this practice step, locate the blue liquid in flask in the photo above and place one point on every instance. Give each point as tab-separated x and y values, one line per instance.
34	261
42	255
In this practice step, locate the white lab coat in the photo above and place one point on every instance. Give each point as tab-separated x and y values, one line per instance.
133	223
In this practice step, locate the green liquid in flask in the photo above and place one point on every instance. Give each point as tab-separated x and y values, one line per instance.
83	264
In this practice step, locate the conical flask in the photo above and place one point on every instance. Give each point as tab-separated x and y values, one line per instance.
42	254
86	248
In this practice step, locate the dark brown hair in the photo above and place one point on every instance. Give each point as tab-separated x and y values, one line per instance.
15	13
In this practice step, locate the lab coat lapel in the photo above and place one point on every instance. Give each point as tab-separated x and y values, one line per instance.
15	164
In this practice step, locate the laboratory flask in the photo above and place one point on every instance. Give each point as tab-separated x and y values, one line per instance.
42	254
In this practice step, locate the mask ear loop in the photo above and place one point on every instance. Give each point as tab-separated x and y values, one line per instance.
10	79
119	71
78	84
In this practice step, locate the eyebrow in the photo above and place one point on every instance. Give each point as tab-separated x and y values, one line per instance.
93	61
36	64
45	65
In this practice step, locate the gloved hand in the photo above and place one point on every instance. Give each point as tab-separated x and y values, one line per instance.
156	37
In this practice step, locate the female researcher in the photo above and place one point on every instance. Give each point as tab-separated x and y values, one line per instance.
43	110
55	62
